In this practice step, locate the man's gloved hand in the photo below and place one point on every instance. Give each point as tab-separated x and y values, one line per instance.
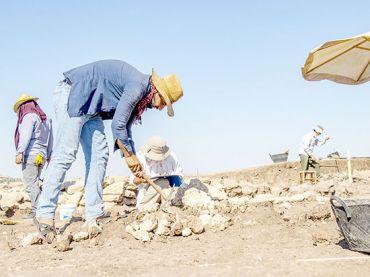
138	181
19	158
134	164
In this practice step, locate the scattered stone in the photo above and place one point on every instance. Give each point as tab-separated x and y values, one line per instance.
31	239
129	194
205	219
232	188
93	229
64	242
196	225
216	193
82	235
196	198
143	235
186	232
220	222
6	221
318	213
163	228
75	187
148	225
248	189
320	239
176	229
139	234
325	187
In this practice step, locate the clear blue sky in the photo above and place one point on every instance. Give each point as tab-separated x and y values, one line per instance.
238	61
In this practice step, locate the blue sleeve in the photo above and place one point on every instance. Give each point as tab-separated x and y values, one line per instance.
122	119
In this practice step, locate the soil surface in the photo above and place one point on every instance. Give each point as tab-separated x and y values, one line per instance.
260	241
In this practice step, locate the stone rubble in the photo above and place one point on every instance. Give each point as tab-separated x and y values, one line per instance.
210	203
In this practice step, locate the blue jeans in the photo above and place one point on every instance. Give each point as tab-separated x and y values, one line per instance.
87	130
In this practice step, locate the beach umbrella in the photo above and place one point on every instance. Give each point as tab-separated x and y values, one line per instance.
343	61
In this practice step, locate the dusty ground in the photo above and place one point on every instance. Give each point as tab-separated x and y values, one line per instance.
261	241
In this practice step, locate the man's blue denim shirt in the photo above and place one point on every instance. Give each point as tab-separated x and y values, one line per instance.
110	88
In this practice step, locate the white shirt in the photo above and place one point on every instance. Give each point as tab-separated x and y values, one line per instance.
309	141
167	167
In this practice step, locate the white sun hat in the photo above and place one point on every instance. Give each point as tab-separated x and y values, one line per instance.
156	149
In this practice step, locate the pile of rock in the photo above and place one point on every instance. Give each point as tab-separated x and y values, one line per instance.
116	191
208	203
13	196
204	207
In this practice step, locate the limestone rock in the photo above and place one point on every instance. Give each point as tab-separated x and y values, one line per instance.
143	235
115	188
196	198
80	236
129	194
139	234
325	187
232	188
74	198
9	201
205	219
176	228
148	225
220	222
186	232
163	228
263	189
248	189
239	201
75	187
319	212
195	224
31	239
64	242
7	221
216	193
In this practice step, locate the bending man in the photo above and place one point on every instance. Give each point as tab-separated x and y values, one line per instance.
89	94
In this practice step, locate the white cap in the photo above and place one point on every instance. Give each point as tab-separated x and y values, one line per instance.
318	129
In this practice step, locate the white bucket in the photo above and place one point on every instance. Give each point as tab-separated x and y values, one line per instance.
66	211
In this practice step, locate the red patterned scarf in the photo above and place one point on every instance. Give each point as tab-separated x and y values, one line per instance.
143	104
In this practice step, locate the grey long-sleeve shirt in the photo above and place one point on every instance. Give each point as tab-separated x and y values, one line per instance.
35	136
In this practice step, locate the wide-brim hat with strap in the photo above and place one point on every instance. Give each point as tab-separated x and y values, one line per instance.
156	149
23	99
169	88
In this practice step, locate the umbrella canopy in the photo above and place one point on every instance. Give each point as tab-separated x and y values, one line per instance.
343	61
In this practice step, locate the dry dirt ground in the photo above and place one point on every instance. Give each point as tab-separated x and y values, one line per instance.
260	241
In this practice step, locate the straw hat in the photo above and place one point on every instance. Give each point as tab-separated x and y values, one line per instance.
169	88
156	149
319	129
23	99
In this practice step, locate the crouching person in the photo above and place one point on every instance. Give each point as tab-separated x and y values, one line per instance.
33	142
161	165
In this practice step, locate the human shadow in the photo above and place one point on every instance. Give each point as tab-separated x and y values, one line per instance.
62	229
